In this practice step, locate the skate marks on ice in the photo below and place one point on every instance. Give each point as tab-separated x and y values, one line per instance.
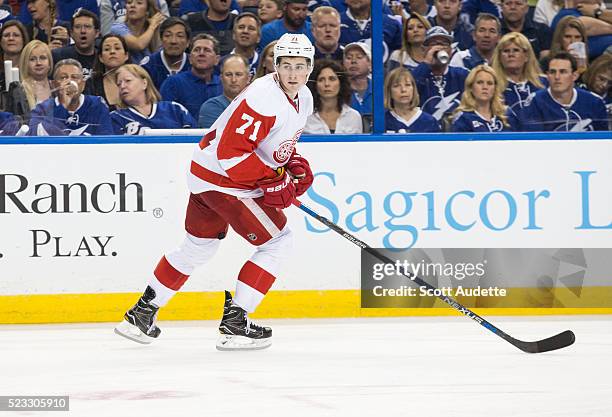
409	366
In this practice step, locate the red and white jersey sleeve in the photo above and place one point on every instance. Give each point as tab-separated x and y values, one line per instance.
255	135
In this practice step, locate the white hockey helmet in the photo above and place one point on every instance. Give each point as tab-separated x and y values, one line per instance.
294	44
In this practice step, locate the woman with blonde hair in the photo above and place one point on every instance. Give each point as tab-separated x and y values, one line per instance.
141	28
482	108
140	106
266	63
35	67
517	69
413	35
403	114
570	30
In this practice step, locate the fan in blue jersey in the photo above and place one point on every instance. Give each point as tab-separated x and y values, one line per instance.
518	70
403	114
439	85
246	36
482	108
192	88
562	107
293	21
326	32
358	64
356	26
70	113
171	59
140	106
448	16
486	36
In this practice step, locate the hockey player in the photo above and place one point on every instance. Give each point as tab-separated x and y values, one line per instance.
244	172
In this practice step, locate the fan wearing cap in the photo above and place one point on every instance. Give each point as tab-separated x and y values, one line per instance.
358	64
244	172
293	21
439	85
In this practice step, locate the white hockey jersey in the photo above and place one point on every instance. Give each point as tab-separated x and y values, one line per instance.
255	135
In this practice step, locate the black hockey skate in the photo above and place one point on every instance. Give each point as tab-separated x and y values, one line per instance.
238	332
139	321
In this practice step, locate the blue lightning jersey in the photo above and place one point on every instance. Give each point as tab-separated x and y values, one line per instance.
352	31
164	115
420	122
585	112
158	68
90	118
440	95
471	121
519	95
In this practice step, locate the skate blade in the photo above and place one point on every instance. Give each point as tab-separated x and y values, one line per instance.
129	331
229	342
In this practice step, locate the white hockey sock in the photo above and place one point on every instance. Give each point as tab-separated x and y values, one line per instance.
163	294
246	297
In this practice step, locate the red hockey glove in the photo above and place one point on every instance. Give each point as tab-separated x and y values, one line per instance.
279	192
300	171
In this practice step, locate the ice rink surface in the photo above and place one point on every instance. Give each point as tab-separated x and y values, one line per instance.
351	367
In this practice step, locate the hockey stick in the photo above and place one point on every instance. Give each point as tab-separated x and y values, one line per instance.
558	341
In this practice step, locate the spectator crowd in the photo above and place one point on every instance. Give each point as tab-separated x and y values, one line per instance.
103	67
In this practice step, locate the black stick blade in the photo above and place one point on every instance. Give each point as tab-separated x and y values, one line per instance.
555	342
